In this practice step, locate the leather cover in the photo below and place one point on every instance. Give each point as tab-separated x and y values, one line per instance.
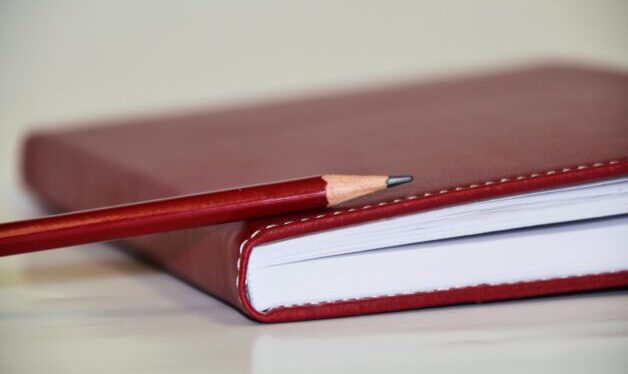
463	140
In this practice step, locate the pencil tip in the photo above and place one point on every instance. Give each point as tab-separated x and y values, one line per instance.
396	180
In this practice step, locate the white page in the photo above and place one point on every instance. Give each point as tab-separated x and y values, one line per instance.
316	267
573	249
591	200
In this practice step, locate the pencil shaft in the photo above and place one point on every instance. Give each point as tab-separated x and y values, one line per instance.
161	215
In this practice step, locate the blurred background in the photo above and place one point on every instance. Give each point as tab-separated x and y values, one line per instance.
64	62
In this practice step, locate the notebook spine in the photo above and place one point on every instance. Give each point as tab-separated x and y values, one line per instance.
67	176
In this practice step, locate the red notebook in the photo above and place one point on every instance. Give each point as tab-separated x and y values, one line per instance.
521	190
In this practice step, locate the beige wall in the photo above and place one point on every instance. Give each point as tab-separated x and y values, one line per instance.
67	60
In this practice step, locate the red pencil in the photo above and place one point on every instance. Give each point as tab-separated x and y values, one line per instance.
189	211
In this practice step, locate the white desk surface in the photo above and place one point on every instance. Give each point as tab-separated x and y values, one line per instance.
93	309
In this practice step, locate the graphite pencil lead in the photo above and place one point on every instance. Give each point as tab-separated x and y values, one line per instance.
396	180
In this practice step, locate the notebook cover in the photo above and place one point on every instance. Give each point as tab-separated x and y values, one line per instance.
465	139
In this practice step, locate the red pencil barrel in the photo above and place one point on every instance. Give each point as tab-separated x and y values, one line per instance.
161	215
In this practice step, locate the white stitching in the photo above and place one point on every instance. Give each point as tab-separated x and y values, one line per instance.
396	201
442	289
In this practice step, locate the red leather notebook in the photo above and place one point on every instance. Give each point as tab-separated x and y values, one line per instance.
513	173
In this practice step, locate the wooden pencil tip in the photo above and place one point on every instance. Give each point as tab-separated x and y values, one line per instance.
396	180
341	188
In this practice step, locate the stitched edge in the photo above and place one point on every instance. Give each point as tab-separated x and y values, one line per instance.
407	198
409	293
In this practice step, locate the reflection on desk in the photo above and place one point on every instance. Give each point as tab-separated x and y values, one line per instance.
94	309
